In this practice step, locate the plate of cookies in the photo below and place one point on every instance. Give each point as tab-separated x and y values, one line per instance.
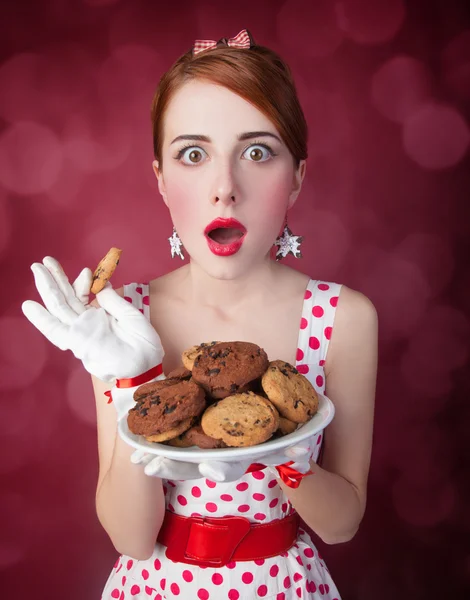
225	402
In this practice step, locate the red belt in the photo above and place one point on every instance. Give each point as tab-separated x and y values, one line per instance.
216	541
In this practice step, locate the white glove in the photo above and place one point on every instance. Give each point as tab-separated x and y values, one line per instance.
114	341
166	468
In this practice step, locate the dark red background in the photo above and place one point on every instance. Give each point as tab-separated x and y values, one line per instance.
384	209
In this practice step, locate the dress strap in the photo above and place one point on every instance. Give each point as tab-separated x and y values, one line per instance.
316	326
138	295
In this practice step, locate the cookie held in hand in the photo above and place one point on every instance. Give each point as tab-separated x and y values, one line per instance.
105	269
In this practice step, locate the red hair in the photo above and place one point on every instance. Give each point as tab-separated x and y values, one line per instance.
257	74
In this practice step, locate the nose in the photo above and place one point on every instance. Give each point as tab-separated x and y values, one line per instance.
224	190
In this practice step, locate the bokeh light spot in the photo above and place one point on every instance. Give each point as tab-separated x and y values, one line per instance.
433	255
370	21
436	136
327	237
30	158
330	129
316	34
398	286
400	86
44	87
92	149
456	65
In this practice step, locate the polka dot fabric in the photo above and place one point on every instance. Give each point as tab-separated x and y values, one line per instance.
299	572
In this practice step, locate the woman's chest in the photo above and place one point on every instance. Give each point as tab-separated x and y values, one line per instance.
275	328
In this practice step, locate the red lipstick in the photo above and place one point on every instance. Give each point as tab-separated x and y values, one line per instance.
225	243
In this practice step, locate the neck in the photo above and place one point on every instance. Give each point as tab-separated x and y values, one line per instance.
229	294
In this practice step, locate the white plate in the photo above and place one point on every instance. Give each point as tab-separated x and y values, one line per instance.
317	423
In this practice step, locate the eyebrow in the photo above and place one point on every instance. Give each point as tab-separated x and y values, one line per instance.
241	137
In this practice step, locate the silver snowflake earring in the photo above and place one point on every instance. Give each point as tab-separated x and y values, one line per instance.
176	244
288	244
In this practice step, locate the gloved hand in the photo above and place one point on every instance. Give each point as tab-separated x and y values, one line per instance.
166	468
114	341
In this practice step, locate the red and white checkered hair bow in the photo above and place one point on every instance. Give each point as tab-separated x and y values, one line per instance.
242	40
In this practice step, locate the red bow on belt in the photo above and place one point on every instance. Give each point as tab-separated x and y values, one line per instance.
241	40
135	381
288	475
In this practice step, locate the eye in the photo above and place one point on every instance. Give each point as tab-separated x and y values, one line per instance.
191	155
259	152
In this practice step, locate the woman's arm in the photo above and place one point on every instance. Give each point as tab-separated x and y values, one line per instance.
332	501
129	504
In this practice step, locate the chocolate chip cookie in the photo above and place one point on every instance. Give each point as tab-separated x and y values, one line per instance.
291	392
177	429
153	386
241	420
189	356
195	436
229	368
286	426
162	405
180	373
105	269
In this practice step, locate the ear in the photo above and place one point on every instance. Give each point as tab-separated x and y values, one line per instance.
161	183
299	175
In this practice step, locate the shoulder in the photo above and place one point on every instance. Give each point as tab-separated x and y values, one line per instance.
355	326
354	305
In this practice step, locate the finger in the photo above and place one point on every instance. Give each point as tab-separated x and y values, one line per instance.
163	468
51	295
114	304
301	466
154	466
166	468
297	451
50	327
62	281
130	319
222	471
82	285
211	473
140	457
273	471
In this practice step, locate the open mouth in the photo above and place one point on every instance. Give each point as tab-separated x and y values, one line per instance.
225	231
225	235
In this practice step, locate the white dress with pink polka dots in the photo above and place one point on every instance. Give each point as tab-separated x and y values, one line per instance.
297	573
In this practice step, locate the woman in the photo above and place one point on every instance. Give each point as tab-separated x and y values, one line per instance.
230	142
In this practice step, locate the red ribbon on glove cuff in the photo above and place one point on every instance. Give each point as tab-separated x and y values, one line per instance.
135	381
291	477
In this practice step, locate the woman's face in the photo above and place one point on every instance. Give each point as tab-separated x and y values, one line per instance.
223	158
